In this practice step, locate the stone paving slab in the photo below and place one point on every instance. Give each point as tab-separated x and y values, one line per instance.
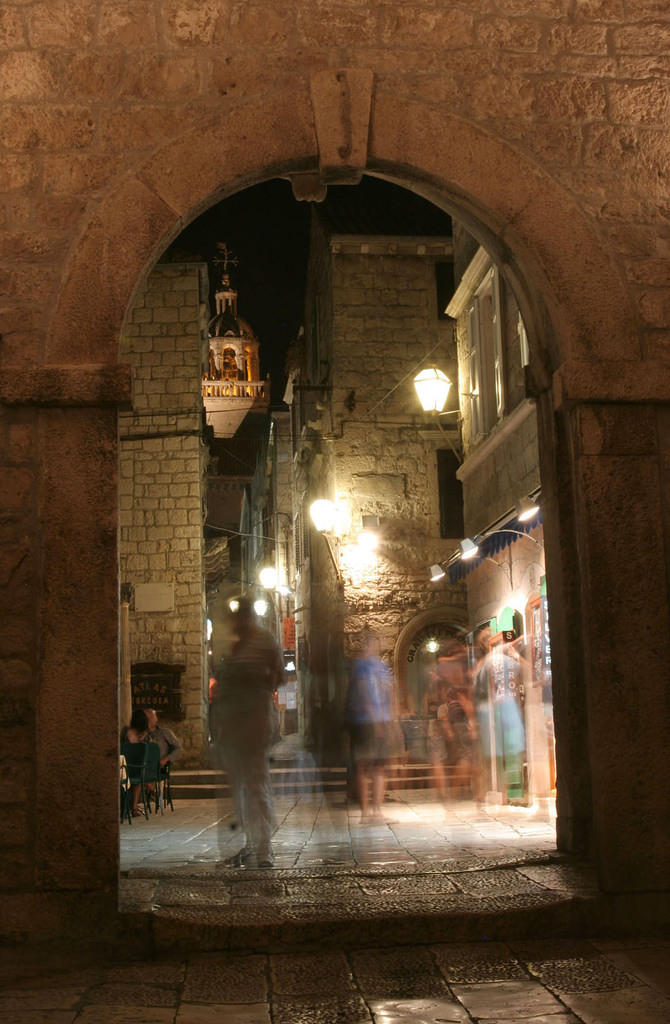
445	983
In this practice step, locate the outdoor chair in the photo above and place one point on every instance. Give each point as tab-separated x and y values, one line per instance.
167	792
153	777
136	761
125	791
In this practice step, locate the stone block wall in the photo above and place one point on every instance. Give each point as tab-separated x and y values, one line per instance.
162	464
502	475
541	122
19	573
382	460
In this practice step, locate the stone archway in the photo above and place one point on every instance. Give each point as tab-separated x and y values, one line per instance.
574	325
437	615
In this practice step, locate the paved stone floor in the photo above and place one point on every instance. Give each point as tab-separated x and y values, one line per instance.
329	866
535	982
313	831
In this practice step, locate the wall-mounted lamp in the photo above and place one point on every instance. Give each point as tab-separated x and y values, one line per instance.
432	387
323	514
468	548
260	606
436	573
268	577
233	604
368	538
526	509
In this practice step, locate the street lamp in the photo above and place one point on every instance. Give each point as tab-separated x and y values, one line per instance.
432	387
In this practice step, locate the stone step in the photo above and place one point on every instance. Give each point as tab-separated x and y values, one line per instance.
295	909
207	783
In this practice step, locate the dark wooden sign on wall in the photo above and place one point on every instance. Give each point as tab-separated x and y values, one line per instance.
156	685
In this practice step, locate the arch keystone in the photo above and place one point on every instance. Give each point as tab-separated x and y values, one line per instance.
342	104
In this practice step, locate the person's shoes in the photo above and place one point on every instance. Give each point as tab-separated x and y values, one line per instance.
267	860
239	859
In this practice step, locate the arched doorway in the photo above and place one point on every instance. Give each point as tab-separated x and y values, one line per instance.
508	208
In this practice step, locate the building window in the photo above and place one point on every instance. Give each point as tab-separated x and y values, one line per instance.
301	534
450	491
485	356
444	287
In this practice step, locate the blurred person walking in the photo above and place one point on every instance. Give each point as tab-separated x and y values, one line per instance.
244	719
456	716
369	718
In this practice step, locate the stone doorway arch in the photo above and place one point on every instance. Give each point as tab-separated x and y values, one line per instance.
437	616
533	228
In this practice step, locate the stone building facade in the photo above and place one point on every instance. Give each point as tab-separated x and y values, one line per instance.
542	125
363	442
162	495
508	613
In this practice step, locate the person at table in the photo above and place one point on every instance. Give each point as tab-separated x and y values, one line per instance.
136	732
171	748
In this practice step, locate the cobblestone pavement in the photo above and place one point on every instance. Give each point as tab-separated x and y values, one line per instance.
332	868
313	832
537	982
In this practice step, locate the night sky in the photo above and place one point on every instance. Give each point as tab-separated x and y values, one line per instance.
268	231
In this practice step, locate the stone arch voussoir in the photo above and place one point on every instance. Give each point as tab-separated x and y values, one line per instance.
534	227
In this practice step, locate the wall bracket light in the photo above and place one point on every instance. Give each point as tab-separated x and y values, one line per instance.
526	509
322	513
469	548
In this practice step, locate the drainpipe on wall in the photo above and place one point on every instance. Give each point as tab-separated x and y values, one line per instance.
125	697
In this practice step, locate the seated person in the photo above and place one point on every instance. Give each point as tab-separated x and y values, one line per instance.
171	748
136	732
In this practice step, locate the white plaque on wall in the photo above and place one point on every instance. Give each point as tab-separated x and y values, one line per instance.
154	597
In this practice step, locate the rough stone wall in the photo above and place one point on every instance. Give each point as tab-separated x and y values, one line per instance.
385	462
504	476
161	489
544	124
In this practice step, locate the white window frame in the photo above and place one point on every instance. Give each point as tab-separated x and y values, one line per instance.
485	358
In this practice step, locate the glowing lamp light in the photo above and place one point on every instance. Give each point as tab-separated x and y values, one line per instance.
436	573
268	577
233	604
526	509
260	606
468	548
322	513
432	646
368	541
432	387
